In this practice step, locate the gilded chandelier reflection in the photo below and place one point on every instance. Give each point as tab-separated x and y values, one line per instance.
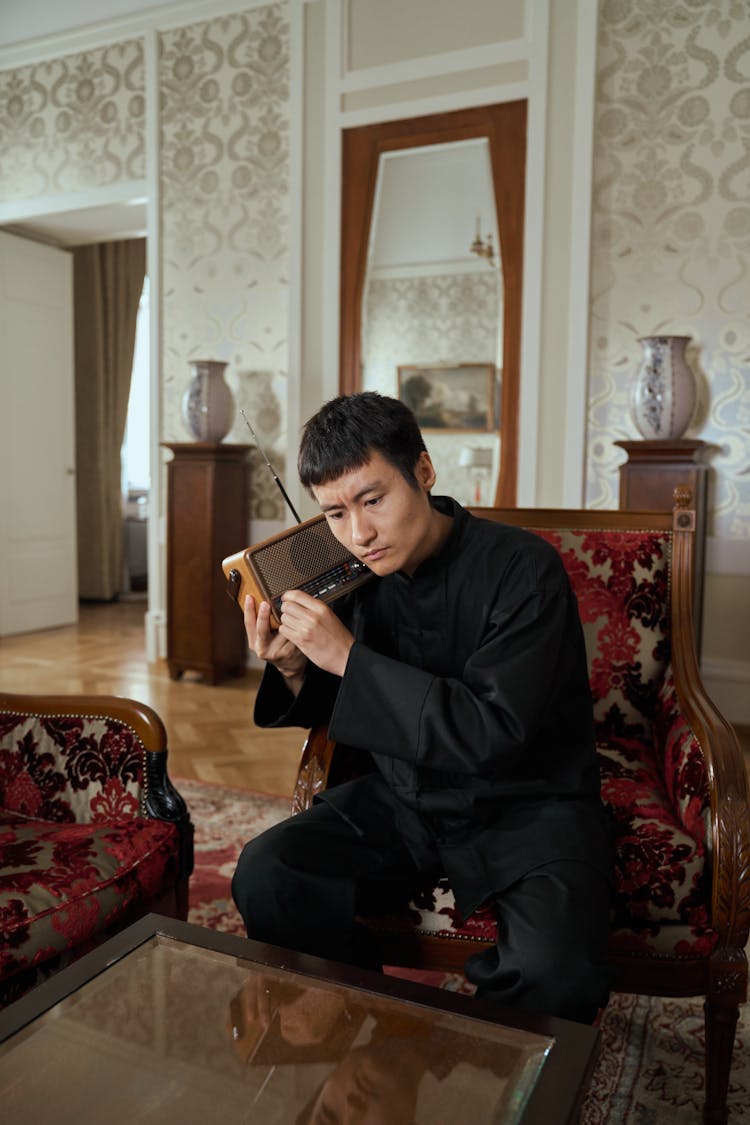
483	247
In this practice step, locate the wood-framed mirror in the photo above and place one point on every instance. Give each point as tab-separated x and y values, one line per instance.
502	129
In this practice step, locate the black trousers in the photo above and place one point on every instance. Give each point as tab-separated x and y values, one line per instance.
302	884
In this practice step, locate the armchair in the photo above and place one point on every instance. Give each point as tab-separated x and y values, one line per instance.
92	832
672	776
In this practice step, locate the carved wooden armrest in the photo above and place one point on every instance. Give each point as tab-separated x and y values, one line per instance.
730	821
314	768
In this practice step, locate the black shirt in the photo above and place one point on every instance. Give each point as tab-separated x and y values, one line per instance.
468	686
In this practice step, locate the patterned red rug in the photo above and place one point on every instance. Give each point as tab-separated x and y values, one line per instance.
651	1065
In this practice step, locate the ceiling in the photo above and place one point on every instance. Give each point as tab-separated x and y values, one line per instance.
93	224
428	202
22	21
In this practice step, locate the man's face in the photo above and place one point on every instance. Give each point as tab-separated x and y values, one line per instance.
370	1087
379	517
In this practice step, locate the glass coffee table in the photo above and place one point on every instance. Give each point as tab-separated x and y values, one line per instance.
170	1022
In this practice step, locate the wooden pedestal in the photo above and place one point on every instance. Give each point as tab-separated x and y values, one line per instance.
207	519
647	483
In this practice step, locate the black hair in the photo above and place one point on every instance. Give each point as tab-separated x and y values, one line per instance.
346	431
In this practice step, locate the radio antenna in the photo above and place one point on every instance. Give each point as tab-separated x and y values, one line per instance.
260	449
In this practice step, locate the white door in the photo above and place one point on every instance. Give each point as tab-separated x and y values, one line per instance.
38	546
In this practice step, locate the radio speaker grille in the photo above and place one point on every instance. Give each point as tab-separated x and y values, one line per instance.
290	561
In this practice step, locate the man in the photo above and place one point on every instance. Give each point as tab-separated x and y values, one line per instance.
461	672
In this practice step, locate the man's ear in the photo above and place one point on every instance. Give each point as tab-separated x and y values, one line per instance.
424	471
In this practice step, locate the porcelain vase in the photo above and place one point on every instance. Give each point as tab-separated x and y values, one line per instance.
208	405
664	391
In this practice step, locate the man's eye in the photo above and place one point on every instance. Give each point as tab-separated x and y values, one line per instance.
373	500
331	516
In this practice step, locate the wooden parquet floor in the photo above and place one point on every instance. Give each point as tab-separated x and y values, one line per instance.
211	732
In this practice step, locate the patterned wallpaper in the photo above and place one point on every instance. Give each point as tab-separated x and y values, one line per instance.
432	320
72	123
225	215
671	229
671	218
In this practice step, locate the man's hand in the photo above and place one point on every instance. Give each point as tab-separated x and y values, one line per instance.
258	1003
273	647
306	1016
314	630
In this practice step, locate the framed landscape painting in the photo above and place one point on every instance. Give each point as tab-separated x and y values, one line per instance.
452	399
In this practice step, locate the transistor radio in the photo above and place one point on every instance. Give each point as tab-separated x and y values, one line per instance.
306	557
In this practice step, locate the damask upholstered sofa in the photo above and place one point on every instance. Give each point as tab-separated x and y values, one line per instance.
672	775
92	832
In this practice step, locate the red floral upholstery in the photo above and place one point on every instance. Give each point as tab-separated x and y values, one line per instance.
69	768
621	580
81	853
653	772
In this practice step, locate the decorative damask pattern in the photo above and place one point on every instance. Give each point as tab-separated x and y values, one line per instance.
451	318
72	123
671	229
78	855
225	205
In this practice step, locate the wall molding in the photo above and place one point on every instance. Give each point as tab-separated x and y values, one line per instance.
102	33
296	243
334	31
728	684
433	103
580	256
533	252
433	66
127	191
727	556
156	630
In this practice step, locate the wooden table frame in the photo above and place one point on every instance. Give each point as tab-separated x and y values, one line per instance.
555	1099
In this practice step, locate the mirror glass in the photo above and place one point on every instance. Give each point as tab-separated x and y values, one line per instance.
432	306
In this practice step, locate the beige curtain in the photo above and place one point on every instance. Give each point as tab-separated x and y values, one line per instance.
108	279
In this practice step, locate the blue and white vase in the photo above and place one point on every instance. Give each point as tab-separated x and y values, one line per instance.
664	392
208	405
